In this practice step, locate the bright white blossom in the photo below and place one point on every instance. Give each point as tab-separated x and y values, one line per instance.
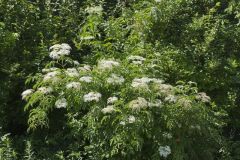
61	103
171	99
136	59
51	75
140	83
108	109
27	93
73	85
122	123
184	102
87	38
167	135
95	9
131	119
164	151
76	63
203	97
107	64
115	79
112	100
59	50
164	89
84	68
72	72
65	46
46	70
45	90
92	96
138	104
86	79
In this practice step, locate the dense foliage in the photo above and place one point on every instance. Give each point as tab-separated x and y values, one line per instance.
156	79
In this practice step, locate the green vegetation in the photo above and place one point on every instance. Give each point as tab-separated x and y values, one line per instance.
137	80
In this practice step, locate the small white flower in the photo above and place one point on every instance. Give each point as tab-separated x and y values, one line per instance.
73	85
76	63
203	97
115	79
64	52
164	89
171	99
92	96
167	135
61	103
59	50
184	102
86	79
65	46
107	64
156	103
85	68
136	59
131	119
122	123
46	70
138	104
72	72
45	90
158	1
27	93
139	83
108	109
55	47
50	75
112	100
95	9
164	151
87	38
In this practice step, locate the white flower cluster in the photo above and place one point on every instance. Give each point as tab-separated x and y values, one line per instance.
131	119
184	102
108	109
59	50
203	97
46	70
86	79
112	100
73	85
107	64
61	103
142	83
76	63
96	10
27	93
115	79
139	103
85	68
136	59
165	89
167	135
164	151
171	99
51	76
72	72
92	96
45	90
87	37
